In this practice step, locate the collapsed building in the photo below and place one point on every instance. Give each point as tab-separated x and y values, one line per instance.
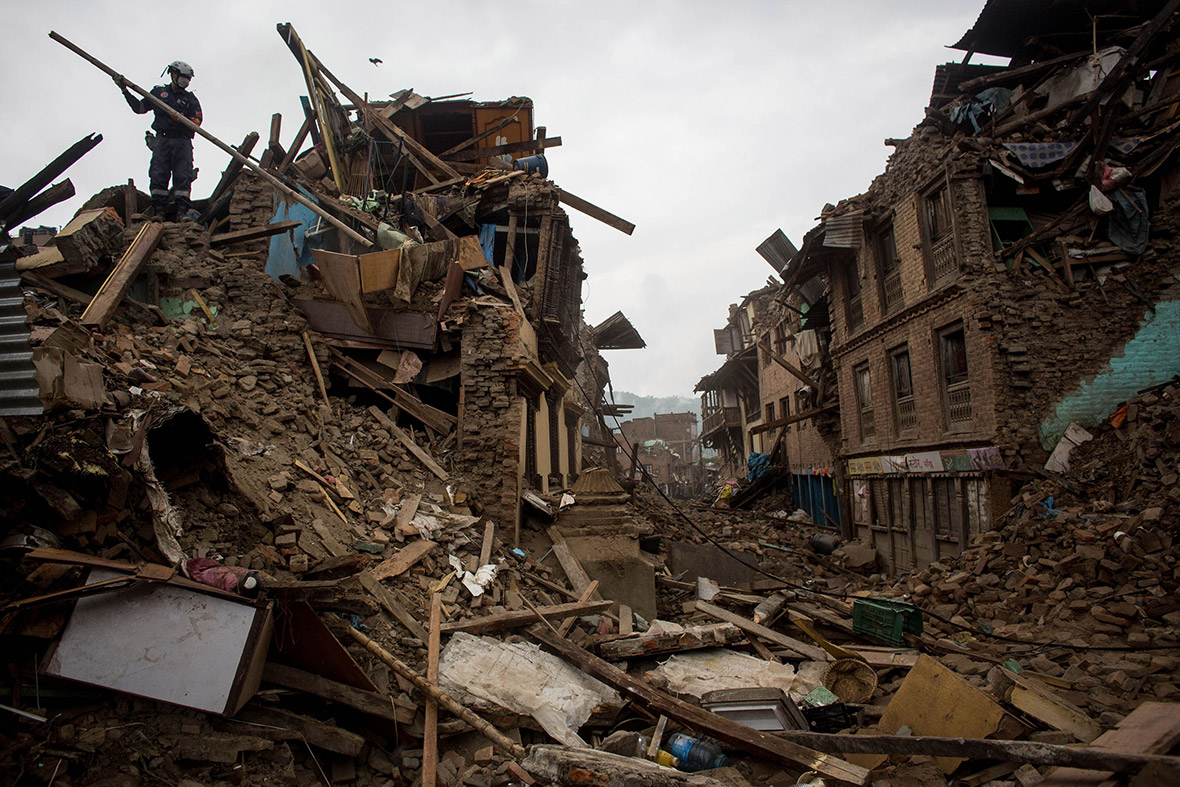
1008	275
296	494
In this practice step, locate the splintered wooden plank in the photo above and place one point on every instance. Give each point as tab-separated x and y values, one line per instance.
113	290
394	603
369	702
285	725
579	579
758	630
403	559
419	453
1042	703
252	233
735	734
1152	728
520	618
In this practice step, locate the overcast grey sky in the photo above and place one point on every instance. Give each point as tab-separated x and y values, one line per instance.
707	124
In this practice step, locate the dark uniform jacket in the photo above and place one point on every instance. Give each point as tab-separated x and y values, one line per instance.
181	101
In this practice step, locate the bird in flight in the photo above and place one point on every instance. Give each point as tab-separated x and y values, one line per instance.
375	61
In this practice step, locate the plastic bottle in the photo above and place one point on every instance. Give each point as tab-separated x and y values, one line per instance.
696	754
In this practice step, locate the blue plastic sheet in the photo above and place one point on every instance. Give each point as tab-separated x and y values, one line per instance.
758	464
290	252
487	241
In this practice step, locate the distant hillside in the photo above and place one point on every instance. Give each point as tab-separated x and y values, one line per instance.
647	406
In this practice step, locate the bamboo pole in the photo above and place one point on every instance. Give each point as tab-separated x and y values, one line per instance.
287	191
485	728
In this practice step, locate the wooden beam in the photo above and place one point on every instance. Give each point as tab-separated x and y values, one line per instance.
1152	728
520	618
511	147
58	192
394	603
285	725
803	416
230	174
438	420
643	645
760	744
403	560
498	739
1042	703
252	233
579	579
802	376
27	190
595	212
983	749
102	307
758	630
367	702
296	144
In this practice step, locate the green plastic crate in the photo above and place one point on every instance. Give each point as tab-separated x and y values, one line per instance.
885	620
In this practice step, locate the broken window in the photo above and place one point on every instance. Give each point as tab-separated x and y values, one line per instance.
955	378
855	309
890	265
780	338
938	235
864	401
903	389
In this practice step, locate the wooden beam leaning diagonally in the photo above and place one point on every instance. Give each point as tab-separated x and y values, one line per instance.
595	212
803	377
112	291
725	730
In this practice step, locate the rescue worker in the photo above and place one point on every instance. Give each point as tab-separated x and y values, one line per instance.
172	150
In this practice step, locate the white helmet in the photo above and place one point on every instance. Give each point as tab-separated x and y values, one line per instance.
181	68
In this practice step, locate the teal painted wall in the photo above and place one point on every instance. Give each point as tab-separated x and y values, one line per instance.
1150	358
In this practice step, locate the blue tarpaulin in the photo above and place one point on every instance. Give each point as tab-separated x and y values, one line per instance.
758	464
290	252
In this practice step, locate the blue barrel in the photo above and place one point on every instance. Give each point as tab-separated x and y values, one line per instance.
536	164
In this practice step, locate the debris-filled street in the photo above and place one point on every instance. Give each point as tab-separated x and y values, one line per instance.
320	479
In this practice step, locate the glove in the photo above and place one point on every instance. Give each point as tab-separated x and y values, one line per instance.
120	81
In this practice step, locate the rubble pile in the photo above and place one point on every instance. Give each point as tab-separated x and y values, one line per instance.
1080	581
295	505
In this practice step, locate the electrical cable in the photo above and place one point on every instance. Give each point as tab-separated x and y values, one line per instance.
970	629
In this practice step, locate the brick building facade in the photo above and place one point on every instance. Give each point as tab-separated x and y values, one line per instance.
974	305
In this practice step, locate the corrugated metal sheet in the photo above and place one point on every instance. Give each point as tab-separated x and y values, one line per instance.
777	250
18	379
844	231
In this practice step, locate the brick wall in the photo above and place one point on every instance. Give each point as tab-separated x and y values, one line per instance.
491	423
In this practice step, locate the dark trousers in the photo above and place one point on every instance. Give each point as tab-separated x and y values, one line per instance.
172	159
